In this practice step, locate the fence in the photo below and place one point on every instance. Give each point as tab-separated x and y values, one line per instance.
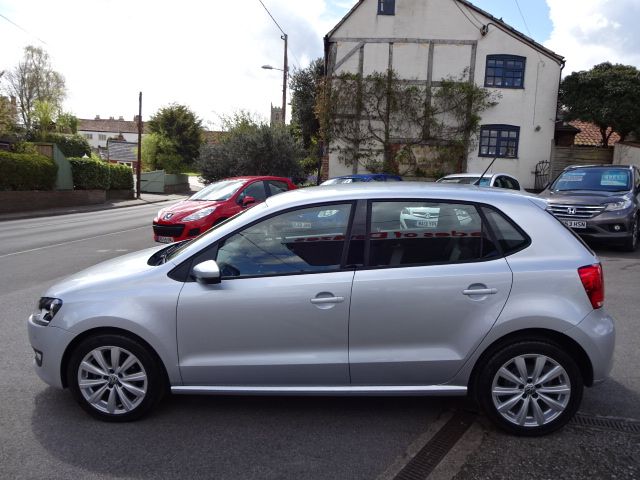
562	157
64	179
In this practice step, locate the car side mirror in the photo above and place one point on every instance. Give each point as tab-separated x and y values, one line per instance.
207	272
248	200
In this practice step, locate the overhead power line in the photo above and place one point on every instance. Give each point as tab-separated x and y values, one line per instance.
24	29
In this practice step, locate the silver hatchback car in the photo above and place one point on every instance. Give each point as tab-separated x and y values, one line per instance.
339	291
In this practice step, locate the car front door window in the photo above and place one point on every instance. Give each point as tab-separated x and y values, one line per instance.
309	240
255	190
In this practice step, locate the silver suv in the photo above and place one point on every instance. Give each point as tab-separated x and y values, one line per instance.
599	202
341	292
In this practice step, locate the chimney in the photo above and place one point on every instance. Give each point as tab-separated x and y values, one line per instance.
13	101
120	118
135	118
97	117
111	118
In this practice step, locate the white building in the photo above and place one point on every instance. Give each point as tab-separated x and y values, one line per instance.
98	130
428	40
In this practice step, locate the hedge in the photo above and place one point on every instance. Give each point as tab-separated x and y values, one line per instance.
89	174
120	177
27	171
70	145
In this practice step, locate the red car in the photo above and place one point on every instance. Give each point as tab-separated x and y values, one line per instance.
213	204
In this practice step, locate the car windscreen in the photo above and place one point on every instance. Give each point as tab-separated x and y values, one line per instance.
598	179
218	191
465	180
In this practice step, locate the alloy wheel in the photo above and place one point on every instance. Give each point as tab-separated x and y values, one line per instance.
531	390
112	380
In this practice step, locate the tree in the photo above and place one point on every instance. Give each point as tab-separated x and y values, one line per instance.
7	116
160	153
304	85
251	147
376	120
34	80
182	128
607	95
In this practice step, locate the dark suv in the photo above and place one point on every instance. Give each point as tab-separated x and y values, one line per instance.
599	202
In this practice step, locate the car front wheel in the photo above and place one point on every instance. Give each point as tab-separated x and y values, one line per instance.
530	388
114	378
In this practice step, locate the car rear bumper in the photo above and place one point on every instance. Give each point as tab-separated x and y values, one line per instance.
597	336
49	344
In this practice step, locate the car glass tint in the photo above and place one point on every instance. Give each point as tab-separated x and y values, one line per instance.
255	190
223	190
277	187
510	238
308	240
419	233
598	179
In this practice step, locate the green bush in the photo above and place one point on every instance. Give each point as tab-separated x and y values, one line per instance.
69	145
89	174
26	171
120	177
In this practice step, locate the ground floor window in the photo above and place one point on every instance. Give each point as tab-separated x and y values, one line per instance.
499	141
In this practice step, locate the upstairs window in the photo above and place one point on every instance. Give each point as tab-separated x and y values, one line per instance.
504	71
499	141
386	7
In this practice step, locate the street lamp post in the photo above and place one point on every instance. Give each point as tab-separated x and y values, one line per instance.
285	76
285	70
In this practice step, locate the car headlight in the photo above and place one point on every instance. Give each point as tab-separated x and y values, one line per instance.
618	205
48	307
199	214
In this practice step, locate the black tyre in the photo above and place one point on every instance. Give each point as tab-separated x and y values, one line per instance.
631	243
529	388
115	378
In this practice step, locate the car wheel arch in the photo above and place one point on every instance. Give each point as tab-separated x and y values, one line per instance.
572	347
68	353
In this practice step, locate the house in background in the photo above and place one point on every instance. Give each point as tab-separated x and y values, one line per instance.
428	40
98	130
122	152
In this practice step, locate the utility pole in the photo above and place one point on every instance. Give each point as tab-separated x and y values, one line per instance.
139	163
285	74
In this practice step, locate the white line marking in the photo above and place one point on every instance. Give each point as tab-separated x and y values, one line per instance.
72	241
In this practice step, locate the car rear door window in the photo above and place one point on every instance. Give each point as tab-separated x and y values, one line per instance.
419	233
309	240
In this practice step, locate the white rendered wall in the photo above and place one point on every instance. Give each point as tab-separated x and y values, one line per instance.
533	108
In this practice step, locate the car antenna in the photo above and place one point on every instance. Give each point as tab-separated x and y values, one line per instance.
477	182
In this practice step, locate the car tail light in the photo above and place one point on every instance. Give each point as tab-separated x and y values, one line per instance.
593	283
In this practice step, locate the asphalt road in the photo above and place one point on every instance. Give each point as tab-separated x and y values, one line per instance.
44	434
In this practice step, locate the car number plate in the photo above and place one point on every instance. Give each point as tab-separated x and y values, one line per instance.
427	223
575	224
165	239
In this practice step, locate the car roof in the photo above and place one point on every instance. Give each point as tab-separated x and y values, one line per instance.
467	175
255	177
366	175
399	190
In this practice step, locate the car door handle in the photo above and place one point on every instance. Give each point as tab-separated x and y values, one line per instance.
323	300
480	291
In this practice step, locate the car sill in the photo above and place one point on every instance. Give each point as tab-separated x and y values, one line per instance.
432	390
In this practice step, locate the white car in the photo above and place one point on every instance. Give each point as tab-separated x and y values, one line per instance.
499	180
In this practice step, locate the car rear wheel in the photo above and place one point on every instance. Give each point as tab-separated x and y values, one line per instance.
114	378
631	244
530	388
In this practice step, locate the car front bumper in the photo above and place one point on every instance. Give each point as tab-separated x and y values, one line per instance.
49	344
614	227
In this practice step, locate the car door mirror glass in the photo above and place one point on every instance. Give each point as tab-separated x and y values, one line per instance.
207	272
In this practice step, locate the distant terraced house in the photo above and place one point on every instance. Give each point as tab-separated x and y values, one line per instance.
98	130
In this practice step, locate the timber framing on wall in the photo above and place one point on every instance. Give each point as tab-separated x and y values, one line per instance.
333	64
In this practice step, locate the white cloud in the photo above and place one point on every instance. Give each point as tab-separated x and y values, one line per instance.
205	54
588	32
